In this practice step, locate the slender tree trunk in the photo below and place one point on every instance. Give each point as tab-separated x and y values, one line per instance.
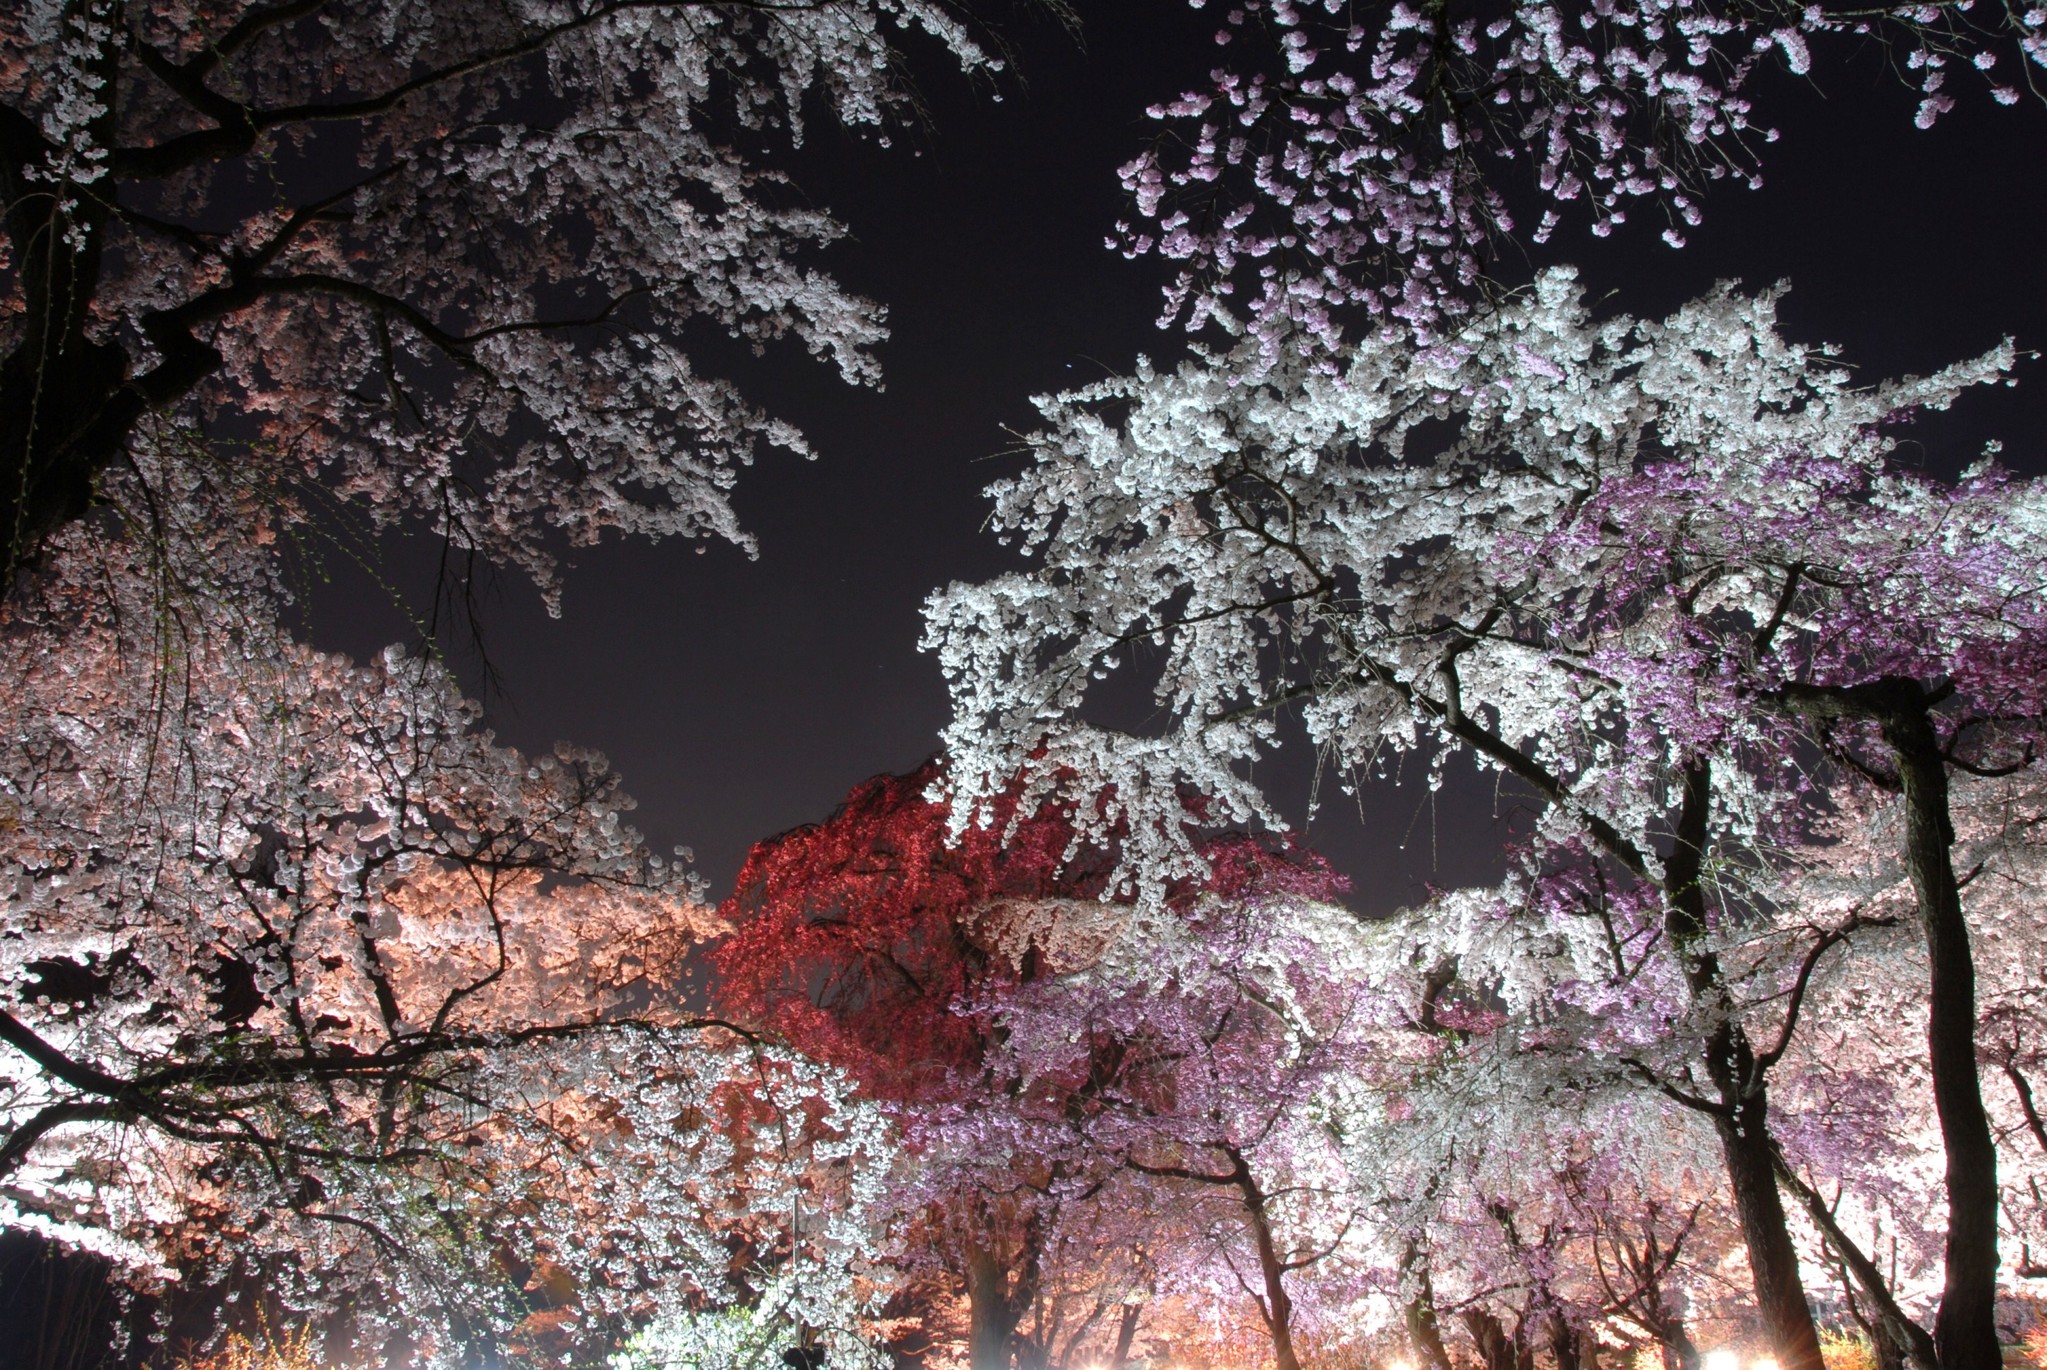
1899	1341
1743	1117
1965	1329
1279	1306
1750	1151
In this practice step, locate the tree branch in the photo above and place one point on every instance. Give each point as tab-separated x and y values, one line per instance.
1821	945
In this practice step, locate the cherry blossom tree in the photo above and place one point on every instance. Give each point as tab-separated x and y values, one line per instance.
1523	1188
1863	1068
1999	830
309	986
1634	567
454	261
1357	163
1580	1116
1308	1119
1214	1073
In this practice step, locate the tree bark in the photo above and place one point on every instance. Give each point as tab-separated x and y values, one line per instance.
1965	1329
1126	1334
1420	1313
1898	1340
1749	1150
1743	1116
1497	1348
1680	1352
1279	1306
991	1312
1572	1348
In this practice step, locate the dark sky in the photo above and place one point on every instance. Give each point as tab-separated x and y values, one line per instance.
740	698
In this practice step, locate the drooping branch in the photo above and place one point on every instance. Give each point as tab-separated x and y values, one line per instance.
1915	1347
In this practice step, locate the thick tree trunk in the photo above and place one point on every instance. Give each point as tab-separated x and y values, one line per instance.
1563	1341
1743	1117
1572	1347
1497	1348
1423	1330
1965	1330
1126	1335
991	1312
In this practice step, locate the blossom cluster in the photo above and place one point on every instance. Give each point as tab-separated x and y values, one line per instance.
1354	163
488	243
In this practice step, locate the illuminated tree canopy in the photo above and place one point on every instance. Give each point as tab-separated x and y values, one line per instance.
439	258
376	1040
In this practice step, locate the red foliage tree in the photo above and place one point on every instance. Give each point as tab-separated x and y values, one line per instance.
858	938
855	940
876	942
855	937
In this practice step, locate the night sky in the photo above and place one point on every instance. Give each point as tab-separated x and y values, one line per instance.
740	698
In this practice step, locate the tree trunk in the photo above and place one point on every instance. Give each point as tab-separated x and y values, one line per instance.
991	1315
1743	1117
1563	1341
1965	1329
1279	1306
1420	1314
1898	1340
1750	1152
1574	1348
1126	1334
1496	1349
1680	1352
